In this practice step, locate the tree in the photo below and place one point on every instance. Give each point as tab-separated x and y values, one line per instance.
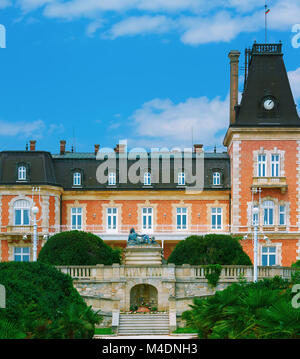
209	249
77	248
41	302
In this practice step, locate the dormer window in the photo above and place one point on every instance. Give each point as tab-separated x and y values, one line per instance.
77	179
147	179
22	173
181	178
216	178
112	179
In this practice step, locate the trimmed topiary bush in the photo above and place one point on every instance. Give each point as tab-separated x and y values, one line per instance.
209	249
42	303
77	248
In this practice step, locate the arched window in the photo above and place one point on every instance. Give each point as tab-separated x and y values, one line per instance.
268	207
112	179
216	178
147	179
76	179
22	173
21	212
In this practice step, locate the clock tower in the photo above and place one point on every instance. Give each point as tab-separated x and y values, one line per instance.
263	141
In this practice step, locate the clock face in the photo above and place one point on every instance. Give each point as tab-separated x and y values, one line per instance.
269	104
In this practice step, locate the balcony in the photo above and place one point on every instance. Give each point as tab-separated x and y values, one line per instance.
270	182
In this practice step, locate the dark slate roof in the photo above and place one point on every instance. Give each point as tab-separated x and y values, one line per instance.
267	77
45	168
40	169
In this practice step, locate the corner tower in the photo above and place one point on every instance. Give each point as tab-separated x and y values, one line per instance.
263	141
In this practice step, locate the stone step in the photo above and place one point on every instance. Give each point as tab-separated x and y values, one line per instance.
143	324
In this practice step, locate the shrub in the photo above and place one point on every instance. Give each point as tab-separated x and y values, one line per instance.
77	248
209	249
247	311
41	302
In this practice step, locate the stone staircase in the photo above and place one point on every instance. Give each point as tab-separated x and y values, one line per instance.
144	324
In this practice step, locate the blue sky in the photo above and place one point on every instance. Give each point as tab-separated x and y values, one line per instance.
154	72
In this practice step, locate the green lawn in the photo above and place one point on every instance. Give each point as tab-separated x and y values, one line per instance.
103	331
185	331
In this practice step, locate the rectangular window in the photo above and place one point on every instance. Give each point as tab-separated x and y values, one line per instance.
21	254
76	219
216	218
77	179
112	179
181	179
268	213
22	173
181	218
21	217
112	216
147	218
268	256
275	166
282	215
261	166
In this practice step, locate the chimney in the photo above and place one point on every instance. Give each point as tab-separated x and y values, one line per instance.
32	145
62	147
234	83
120	148
96	149
198	148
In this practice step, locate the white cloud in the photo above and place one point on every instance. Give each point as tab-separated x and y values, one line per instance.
23	129
159	119
294	77
140	25
5	3
196	21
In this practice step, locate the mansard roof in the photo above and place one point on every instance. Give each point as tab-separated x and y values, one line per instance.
58	170
267	79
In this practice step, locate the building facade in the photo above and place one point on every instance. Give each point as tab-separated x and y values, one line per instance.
85	191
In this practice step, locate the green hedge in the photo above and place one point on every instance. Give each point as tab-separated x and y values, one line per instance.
41	302
209	249
77	248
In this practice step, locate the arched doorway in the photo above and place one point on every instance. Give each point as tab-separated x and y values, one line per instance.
143	295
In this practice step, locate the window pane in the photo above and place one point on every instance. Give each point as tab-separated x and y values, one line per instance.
272	260
272	249
17	217
26	217
264	260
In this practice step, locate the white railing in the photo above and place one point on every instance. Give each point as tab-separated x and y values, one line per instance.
228	273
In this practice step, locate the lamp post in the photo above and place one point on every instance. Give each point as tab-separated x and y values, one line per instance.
255	224
34	211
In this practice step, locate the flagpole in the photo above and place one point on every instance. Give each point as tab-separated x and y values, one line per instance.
266	7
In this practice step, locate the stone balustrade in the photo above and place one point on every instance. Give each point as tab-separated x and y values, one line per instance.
229	273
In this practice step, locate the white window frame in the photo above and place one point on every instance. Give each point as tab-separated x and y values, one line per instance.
147	179
22	254
147	219
182	216
181	179
268	254
76	179
216	178
22	173
76	212
112	179
262	165
217	213
268	206
23	206
282	212
275	165
112	219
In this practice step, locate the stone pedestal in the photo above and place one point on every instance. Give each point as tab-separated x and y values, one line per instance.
143	255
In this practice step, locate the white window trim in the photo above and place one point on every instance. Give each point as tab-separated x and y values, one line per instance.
112	230
216	215
21	254
76	215
112	179
181	215
181	179
147	215
268	254
77	177
147	179
217	178
22	173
